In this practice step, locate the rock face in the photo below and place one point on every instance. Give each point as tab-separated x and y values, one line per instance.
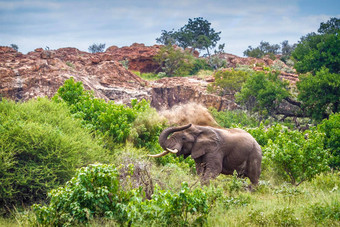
41	72
168	92
137	57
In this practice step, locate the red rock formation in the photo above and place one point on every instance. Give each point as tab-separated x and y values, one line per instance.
42	72
138	56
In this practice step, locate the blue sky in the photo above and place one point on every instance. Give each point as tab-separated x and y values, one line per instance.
80	23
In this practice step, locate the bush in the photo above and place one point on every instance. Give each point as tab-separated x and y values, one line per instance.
175	61
200	64
40	147
114	121
263	93
96	192
295	158
228	118
228	82
331	128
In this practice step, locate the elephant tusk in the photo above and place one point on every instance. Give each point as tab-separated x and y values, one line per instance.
158	155
172	151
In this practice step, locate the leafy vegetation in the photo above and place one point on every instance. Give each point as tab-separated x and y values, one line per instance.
320	94
227	82
96	192
113	121
263	93
316	51
41	145
174	61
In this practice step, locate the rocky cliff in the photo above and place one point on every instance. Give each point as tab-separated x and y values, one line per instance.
109	74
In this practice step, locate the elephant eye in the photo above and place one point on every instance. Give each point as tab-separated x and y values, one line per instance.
183	138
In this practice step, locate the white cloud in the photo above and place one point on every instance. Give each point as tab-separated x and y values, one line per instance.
31	24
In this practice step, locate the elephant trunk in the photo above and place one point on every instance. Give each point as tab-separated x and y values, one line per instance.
163	138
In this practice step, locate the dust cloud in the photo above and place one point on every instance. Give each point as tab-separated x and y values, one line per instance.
193	113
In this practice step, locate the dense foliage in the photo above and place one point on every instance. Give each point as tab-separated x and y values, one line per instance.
263	92
316	51
227	82
116	122
320	94
174	61
41	145
96	192
331	128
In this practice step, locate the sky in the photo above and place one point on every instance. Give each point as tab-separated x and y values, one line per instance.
31	24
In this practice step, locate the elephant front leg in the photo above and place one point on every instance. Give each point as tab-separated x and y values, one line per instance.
200	166
213	167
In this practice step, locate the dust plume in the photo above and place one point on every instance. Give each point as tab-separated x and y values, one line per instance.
189	113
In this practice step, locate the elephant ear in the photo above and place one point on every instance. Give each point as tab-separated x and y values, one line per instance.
206	141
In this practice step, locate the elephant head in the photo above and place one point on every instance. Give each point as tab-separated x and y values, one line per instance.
187	140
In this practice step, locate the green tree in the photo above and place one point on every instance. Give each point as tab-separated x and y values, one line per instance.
174	61
331	128
263	49
196	34
14	46
263	93
320	94
96	48
315	51
330	27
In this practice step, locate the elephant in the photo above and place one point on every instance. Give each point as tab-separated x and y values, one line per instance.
215	150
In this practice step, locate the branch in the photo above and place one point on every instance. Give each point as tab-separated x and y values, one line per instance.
293	102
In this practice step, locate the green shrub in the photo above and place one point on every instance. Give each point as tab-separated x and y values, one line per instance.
175	61
263	134
331	128
184	208
200	64
114	121
228	82
295	158
280	217
280	66
263	93
228	118
96	192
40	147
327	181
147	76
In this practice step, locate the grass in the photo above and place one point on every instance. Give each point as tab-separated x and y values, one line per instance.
313	203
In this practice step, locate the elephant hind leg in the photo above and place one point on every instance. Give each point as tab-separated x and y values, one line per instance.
254	171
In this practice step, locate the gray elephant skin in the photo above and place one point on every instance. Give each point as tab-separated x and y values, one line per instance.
215	150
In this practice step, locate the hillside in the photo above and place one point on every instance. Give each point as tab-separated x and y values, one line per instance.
42	72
